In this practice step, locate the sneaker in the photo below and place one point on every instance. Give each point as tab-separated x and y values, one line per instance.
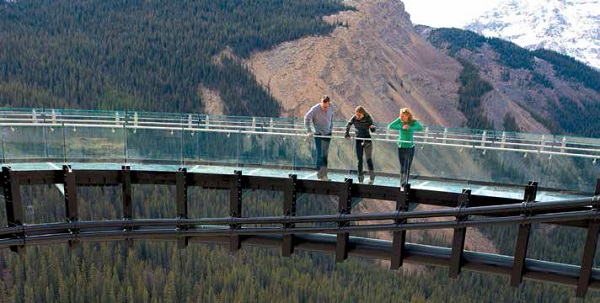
371	181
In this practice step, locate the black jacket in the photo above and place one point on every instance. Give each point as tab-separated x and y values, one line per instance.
361	126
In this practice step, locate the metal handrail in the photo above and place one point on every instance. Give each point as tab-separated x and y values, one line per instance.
463	138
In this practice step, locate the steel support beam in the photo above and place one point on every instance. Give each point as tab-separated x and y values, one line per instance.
13	203
458	241
235	208
344	206
589	250
399	237
71	208
289	210
181	197
516	276
126	192
125	178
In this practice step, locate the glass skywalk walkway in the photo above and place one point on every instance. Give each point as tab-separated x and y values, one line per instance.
109	148
487	162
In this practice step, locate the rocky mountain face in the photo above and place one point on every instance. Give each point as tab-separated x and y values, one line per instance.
570	27
377	60
542	91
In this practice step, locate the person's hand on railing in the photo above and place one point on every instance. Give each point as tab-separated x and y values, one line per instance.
309	136
347	136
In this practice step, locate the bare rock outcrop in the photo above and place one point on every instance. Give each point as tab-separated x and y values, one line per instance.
377	61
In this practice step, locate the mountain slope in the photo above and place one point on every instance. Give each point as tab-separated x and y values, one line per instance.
528	86
377	61
569	27
380	61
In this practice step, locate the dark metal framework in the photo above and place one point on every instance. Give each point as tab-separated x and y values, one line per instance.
458	213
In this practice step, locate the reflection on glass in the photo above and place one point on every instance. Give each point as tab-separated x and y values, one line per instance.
154	144
23	142
93	144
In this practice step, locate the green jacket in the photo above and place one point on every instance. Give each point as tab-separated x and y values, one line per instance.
405	136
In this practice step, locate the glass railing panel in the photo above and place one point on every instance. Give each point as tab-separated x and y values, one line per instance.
570	173
24	143
191	146
342	157
251	149
459	155
385	157
534	168
94	144
161	145
55	142
580	146
302	150
442	163
267	150
280	151
503	167
218	147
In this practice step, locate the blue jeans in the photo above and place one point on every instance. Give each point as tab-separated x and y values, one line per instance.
322	148
405	156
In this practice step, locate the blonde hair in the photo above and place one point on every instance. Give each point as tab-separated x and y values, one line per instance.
362	110
405	110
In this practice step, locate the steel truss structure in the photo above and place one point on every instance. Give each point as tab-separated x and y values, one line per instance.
459	211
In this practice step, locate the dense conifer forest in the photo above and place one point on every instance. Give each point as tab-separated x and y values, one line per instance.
145	55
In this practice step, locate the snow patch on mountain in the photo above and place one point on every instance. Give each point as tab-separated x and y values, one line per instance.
570	27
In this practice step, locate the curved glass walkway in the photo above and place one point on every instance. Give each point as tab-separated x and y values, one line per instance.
468	166
487	162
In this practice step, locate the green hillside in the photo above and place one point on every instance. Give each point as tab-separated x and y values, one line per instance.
145	55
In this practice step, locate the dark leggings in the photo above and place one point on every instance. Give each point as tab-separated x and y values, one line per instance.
405	156
366	147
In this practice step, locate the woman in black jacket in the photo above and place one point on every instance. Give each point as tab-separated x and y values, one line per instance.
363	124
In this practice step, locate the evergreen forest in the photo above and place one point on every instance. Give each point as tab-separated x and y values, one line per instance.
146	55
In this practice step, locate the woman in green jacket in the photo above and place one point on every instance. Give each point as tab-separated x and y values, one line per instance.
406	125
